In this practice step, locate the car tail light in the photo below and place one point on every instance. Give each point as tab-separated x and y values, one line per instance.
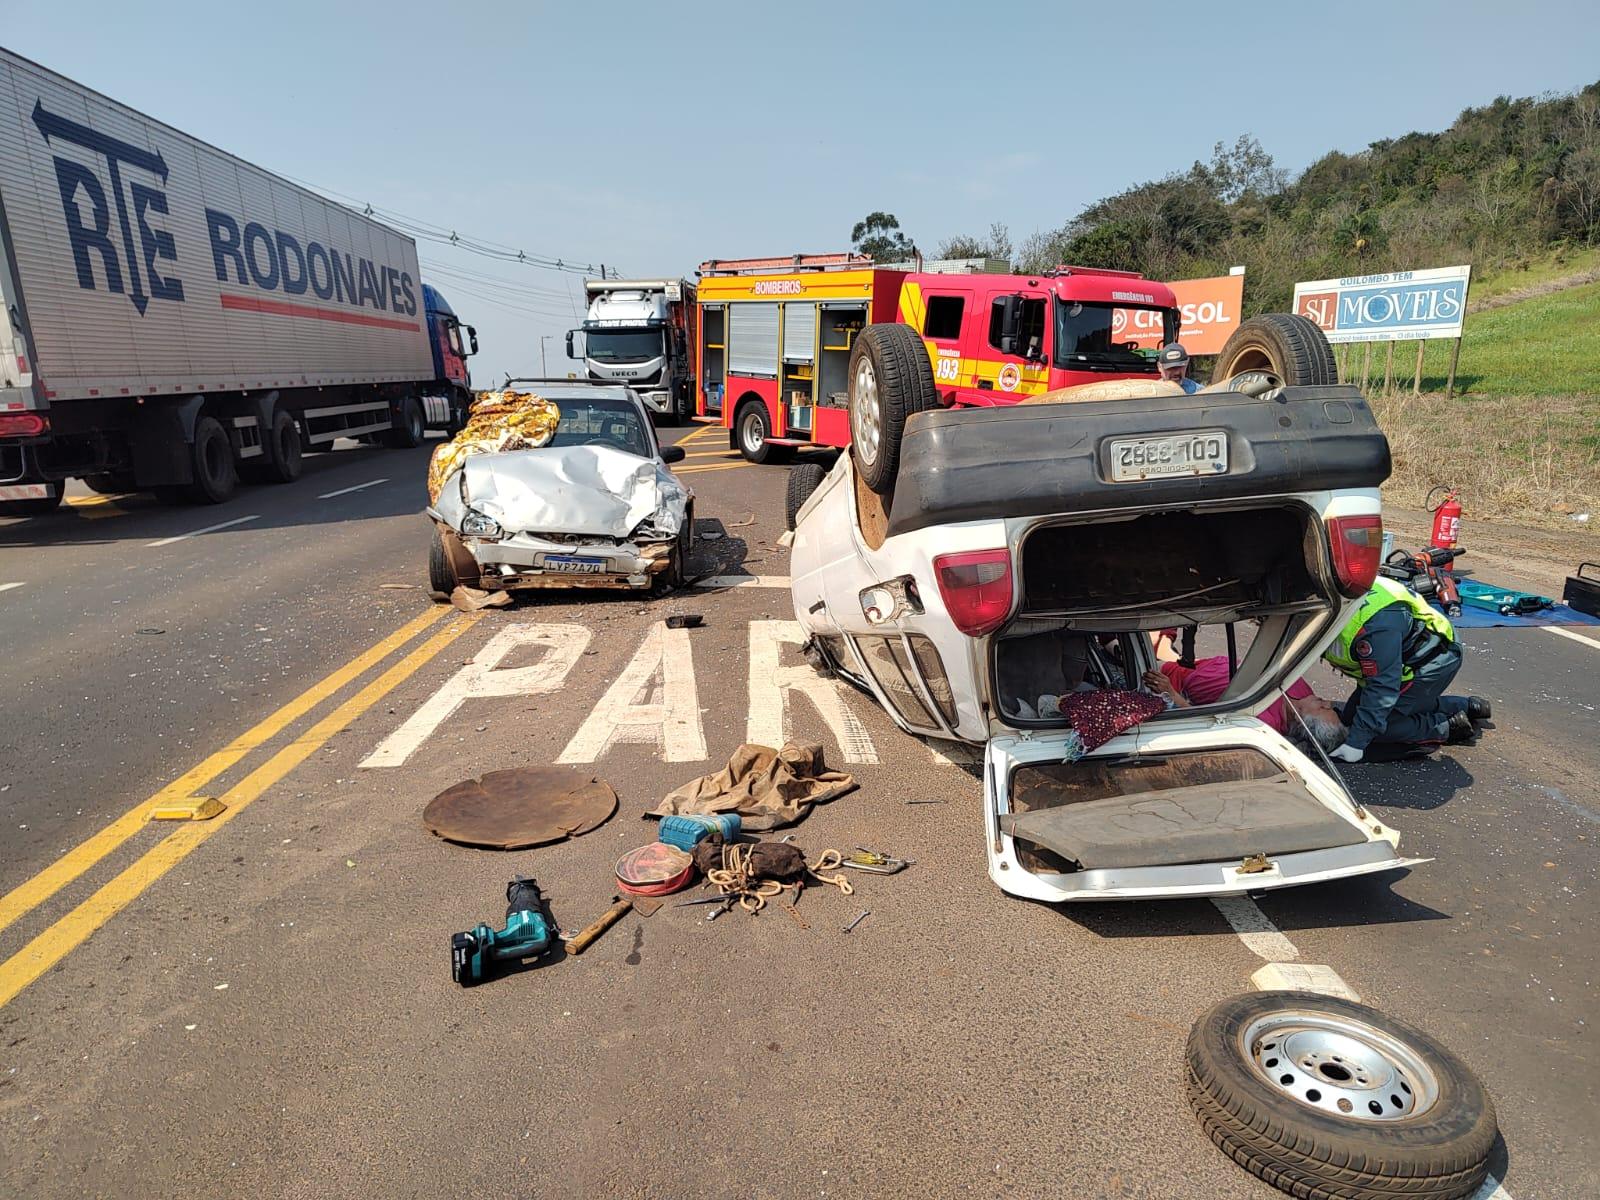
1357	547
24	424
976	587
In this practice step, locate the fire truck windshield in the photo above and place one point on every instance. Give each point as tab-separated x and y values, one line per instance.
623	345
1110	337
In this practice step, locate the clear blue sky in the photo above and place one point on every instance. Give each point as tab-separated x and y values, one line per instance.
654	136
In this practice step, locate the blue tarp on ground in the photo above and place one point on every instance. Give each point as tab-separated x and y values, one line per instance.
1477	618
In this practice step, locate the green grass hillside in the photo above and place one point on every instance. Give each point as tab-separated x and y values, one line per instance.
1523	439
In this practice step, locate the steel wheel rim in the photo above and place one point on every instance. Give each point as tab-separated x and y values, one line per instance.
866	416
1339	1065
752	431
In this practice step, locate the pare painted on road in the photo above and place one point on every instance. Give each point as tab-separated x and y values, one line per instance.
653	700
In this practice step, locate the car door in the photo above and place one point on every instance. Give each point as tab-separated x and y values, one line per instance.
1201	806
1012	363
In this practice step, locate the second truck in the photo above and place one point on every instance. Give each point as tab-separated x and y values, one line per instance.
640	333
175	318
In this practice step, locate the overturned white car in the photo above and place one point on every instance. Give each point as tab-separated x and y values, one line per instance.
1022	556
597	506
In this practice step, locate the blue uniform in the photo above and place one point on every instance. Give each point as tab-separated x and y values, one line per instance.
1188	385
1384	707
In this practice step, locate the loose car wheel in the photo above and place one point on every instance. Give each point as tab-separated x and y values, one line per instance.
409	426
890	378
1284	344
35	508
804	478
215	475
752	427
1327	1099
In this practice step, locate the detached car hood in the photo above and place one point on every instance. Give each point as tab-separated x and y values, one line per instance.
596	491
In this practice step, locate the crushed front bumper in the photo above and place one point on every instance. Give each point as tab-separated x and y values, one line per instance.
525	560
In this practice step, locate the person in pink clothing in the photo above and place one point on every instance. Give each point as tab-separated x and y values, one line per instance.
1205	682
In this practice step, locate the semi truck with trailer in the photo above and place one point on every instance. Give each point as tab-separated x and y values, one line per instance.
776	335
173	318
639	333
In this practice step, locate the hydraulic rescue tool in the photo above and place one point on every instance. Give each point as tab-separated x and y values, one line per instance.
480	952
1427	573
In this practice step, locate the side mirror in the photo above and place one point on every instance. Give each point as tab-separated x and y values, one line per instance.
472	339
672	454
570	354
1011	324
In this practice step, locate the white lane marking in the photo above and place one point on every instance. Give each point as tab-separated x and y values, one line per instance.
770	686
1492	1189
346	491
6	587
953	754
1254	929
634	709
183	537
1567	633
735	581
483	677
1302	977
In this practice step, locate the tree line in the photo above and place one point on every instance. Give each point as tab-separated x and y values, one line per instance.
1515	178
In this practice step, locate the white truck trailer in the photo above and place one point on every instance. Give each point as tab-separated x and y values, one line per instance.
174	317
640	333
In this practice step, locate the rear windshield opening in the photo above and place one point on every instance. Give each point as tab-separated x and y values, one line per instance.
1106	603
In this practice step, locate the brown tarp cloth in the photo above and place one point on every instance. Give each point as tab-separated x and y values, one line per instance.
768	788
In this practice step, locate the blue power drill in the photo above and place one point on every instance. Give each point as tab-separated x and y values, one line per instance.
474	955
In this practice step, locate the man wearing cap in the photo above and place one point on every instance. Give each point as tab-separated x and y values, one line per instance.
1402	654
1174	363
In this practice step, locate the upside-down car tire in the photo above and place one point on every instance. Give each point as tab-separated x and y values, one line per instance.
1332	1100
804	478
890	378
1286	345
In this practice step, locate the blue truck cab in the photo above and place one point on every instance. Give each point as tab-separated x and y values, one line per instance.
450	356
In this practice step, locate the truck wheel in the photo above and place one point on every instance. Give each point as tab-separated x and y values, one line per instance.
1289	346
804	478
445	562
112	483
890	378
40	507
409	426
1323	1097
211	461
281	461
751	429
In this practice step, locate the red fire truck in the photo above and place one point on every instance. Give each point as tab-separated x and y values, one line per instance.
773	352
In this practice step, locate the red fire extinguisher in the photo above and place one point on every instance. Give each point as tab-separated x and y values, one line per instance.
1446	518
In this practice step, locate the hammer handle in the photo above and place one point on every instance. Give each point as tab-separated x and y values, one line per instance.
609	918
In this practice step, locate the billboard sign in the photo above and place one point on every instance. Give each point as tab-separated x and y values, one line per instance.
1400	306
1210	310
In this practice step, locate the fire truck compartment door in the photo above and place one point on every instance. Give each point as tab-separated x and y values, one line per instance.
799	332
753	339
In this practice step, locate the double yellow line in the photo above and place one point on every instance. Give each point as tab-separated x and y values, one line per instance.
70	931
701	437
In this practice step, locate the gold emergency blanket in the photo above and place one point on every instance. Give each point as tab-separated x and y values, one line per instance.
498	421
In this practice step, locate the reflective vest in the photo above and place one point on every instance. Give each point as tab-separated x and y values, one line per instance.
1383	593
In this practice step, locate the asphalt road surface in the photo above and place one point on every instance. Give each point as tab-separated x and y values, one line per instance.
261	1004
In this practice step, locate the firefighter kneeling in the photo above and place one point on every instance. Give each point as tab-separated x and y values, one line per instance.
1402	653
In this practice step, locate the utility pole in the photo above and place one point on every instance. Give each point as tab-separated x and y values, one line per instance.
544	371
